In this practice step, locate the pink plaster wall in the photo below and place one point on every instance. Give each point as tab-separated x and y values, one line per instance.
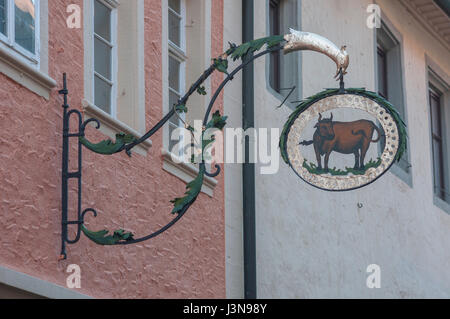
188	261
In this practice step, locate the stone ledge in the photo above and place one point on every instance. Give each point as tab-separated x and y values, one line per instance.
37	286
25	73
187	172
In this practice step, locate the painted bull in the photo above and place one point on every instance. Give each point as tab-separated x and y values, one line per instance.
343	137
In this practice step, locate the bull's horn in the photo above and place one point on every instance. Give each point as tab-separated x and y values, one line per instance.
298	40
320	116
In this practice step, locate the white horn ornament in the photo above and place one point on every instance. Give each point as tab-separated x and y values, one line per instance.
298	40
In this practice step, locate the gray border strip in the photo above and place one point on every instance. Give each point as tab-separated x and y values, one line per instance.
298	93
405	176
444	78
37	286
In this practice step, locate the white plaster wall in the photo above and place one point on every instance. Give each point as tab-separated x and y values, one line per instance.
313	244
233	172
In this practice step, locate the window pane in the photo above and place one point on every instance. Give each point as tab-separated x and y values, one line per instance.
438	168
174	123
102	58
437	146
102	20
25	24
174	28
175	5
174	138
3	16
173	100
174	74
435	115
275	57
102	95
382	75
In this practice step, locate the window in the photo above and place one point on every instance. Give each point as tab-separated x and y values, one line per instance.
382	72
440	187
114	67
186	35
283	70
3	15
104	56
439	105
19	27
177	58
275	57
390	80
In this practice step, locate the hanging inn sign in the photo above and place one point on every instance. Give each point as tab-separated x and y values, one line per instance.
337	140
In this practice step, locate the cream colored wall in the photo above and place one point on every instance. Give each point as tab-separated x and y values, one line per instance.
198	41
234	265
312	243
131	73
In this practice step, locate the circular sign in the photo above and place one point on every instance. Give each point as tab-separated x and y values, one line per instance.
343	141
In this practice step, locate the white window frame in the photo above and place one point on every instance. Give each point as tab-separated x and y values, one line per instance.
182	16
9	40
114	122
178	53
181	167
114	58
292	61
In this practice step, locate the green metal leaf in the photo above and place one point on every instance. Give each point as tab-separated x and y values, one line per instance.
193	189
181	108
256	45
102	238
108	147
221	65
232	48
201	90
217	121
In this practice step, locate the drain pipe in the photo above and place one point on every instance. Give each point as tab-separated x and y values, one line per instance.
248	175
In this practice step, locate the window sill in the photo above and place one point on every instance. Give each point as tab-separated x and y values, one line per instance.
111	126
187	172
442	204
403	175
21	71
37	286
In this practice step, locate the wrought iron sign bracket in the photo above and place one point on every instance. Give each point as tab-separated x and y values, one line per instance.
294	41
68	175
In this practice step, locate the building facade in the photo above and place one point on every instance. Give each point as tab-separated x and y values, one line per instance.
314	244
253	231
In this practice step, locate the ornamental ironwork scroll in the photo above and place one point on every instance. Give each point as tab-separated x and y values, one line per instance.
331	124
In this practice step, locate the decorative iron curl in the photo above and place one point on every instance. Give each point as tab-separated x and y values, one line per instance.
79	223
78	113
85	123
216	173
88	210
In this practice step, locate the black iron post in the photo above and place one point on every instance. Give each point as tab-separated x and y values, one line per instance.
248	178
65	168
